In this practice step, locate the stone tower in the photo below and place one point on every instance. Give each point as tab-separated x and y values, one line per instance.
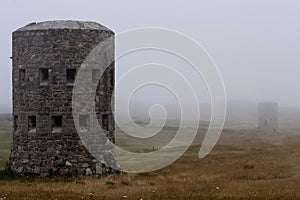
268	116
46	58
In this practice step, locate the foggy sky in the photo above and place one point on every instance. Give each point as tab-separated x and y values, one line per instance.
255	43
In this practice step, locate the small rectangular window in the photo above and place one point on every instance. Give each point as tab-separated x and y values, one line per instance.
15	123
83	120
96	75
22	76
71	75
105	122
44	75
32	123
56	123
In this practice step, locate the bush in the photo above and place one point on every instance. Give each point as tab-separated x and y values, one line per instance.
8	175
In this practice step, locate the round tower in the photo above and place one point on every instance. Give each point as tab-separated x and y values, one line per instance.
46	57
268	116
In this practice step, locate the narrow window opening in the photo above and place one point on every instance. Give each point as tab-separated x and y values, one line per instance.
32	123
95	75
71	74
112	73
15	123
56	123
83	122
44	76
22	76
105	122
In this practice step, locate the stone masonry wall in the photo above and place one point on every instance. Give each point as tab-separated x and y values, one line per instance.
45	141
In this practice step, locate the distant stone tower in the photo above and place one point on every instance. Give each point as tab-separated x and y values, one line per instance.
268	116
46	57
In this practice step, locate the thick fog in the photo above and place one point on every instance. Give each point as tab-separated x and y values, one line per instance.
255	44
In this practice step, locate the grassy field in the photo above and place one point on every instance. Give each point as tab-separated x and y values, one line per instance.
245	164
5	139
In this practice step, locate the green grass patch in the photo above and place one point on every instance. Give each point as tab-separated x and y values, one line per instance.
5	140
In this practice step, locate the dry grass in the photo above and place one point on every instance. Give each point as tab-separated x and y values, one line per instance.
239	169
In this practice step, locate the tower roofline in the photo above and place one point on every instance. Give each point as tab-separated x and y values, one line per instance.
63	24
